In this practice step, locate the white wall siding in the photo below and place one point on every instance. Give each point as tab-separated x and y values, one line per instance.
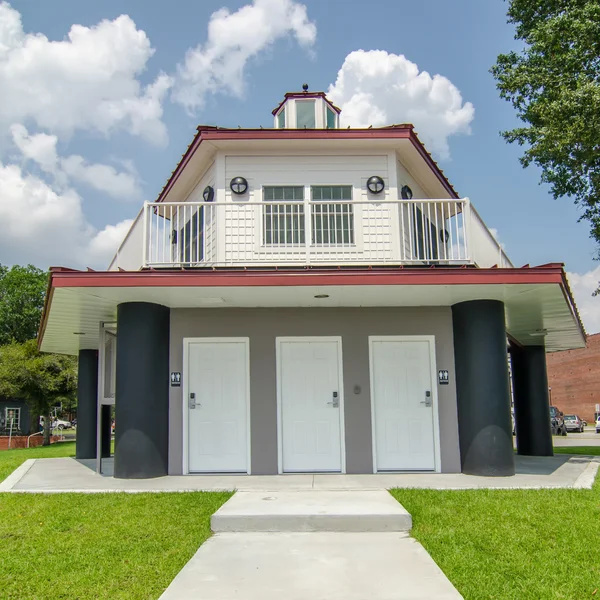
373	224
130	255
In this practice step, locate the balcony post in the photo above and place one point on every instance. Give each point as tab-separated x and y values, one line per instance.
145	237
467	228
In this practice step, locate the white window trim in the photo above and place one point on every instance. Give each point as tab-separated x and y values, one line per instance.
185	396
18	411
434	393
307	201
278	342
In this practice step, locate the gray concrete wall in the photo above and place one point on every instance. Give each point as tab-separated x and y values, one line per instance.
354	325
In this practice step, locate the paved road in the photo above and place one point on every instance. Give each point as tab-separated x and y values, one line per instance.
588	438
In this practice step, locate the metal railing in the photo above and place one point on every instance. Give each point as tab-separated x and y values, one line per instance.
306	232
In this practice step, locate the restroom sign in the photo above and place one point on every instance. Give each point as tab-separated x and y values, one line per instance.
443	377
175	379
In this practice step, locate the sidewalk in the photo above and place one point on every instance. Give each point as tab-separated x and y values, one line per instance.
311	545
56	475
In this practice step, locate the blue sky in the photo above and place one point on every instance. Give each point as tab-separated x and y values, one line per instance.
52	148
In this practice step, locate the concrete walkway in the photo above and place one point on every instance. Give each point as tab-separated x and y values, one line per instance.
311	545
55	475
311	566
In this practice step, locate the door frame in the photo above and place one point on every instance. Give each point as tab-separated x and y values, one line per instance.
278	342
185	394
434	393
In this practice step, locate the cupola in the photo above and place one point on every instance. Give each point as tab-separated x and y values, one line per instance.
306	110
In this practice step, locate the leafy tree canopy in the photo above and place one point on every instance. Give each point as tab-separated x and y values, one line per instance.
22	292
42	380
554	85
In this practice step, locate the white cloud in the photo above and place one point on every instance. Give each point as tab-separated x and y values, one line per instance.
87	81
104	244
233	40
583	286
41	148
102	177
43	226
379	88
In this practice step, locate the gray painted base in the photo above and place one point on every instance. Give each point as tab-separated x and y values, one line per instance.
354	325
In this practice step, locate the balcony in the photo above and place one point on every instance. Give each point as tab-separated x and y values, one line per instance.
290	233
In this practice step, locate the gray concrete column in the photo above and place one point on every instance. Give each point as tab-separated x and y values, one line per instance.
530	393
142	390
87	404
482	387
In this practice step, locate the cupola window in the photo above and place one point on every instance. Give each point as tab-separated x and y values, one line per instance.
305	114
331	118
281	119
306	110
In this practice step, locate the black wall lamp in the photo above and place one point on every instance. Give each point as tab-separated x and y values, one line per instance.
406	193
238	185
208	194
375	184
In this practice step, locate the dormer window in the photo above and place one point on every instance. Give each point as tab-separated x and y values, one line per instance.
306	110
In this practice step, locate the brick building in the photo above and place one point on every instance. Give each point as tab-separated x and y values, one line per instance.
573	378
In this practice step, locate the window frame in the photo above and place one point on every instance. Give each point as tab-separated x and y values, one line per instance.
262	230
18	419
353	213
198	215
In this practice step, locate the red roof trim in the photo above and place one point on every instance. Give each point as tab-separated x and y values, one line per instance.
404	131
427	276
307	95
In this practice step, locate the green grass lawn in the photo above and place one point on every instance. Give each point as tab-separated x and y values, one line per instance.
90	546
11	459
512	544
588	450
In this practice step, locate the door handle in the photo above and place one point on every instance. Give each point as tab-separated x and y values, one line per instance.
335	402
192	400
428	400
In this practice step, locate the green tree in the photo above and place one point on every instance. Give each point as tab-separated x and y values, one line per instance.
22	293
554	85
42	380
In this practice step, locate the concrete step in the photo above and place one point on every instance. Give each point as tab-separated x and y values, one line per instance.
301	511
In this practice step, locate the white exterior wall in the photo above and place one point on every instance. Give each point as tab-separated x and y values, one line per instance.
130	255
373	225
210	214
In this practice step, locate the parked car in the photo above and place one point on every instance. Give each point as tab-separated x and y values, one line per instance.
598	424
573	423
557	421
60	424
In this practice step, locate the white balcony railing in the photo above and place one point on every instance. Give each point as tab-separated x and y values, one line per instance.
306	233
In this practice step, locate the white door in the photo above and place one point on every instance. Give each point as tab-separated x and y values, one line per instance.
403	396
217	390
310	405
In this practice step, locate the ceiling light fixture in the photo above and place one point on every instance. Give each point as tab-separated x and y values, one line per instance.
322	296
539	333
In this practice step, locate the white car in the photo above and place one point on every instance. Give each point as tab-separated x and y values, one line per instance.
59	424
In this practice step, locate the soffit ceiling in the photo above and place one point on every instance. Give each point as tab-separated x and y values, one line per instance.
529	307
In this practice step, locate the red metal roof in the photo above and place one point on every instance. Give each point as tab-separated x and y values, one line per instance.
307	95
401	131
